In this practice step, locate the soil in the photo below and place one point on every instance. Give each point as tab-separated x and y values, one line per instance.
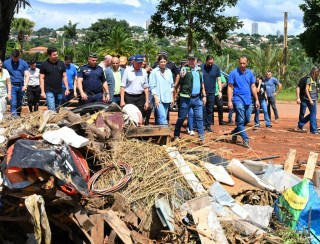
264	142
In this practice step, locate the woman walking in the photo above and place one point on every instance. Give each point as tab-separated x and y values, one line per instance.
5	90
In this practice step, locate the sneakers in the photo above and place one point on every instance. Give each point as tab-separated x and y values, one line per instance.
176	139
269	126
299	129
191	133
231	123
209	129
276	121
257	125
222	123
234	139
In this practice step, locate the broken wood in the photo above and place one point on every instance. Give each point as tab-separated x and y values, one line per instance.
97	231
118	226
288	165
160	134
111	238
311	165
185	170
83	219
140	239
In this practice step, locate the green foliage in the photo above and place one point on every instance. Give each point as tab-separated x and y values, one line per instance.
288	94
44	32
99	31
119	42
149	48
82	53
70	30
190	17
137	29
311	19
22	27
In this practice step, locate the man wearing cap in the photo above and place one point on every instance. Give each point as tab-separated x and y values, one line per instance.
211	76
134	86
130	60
123	62
113	76
92	82
192	95
18	71
52	72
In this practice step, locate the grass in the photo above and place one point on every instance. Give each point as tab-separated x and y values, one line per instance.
288	95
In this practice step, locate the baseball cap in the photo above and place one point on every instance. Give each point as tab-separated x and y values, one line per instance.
191	56
131	58
123	60
138	58
93	55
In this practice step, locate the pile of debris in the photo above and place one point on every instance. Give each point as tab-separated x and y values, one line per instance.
74	177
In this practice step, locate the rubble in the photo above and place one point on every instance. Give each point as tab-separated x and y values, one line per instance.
86	175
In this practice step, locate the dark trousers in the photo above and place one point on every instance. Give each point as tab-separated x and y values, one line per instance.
137	100
219	104
66	99
92	98
272	103
33	96
208	110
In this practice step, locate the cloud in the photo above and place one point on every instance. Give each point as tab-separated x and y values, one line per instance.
135	3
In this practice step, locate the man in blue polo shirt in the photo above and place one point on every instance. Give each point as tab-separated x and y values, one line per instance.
71	72
241	84
211	77
92	82
271	84
18	70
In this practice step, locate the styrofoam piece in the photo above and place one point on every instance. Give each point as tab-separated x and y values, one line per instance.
67	135
240	171
219	173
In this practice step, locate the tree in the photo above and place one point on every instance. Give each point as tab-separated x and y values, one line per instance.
70	31
119	42
22	27
137	29
189	17
309	38
99	31
7	10
43	32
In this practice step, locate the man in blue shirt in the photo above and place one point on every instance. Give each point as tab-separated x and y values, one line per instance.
271	84
71	72
18	70
241	83
211	76
192	95
92	82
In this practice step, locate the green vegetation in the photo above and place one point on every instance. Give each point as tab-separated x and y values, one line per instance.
288	95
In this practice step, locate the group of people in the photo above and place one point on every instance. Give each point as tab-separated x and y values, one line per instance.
195	86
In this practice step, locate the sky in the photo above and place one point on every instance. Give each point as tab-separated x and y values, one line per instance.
56	13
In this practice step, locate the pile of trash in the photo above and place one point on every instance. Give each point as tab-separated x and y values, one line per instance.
74	177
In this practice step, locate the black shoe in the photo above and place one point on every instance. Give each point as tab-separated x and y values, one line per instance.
269	126
222	123
209	129
234	139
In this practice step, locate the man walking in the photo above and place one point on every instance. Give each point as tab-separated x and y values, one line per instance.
113	76
241	84
71	72
52	72
19	75
134	86
92	82
211	76
192	95
271	84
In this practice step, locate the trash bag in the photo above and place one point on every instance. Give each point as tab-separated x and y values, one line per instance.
61	161
299	207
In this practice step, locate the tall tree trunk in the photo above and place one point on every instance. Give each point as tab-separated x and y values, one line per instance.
190	35
3	45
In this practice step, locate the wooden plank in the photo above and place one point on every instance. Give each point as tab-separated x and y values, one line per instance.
83	219
288	165
141	239
311	165
186	171
111	238
148	131
97	231
118	226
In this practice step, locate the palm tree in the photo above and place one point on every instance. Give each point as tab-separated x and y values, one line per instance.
7	10
22	27
149	48
70	31
119	42
83	52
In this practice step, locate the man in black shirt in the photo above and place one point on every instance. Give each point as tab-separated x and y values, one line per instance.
301	98
52	72
262	96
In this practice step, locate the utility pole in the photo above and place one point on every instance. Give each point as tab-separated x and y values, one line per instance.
285	46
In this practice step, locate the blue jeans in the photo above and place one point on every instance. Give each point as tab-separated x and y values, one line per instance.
312	117
191	118
303	108
162	112
243	114
196	105
208	110
53	100
16	100
263	106
231	111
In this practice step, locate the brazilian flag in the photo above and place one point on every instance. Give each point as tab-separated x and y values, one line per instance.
299	207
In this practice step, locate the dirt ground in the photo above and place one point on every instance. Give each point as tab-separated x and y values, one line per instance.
263	141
